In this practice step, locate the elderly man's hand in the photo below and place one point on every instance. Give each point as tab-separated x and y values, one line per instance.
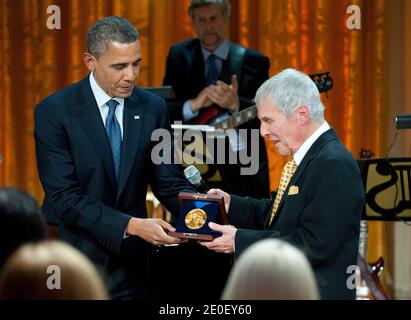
224	243
226	196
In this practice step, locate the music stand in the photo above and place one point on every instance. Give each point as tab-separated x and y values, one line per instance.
165	92
387	187
205	144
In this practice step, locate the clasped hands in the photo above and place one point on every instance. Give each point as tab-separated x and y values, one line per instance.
222	94
226	242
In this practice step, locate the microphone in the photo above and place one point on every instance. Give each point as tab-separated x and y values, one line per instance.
403	121
194	177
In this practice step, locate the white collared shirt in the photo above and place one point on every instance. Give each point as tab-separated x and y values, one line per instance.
221	52
302	151
102	98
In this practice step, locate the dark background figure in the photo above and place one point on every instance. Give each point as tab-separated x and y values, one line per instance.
93	147
21	221
214	78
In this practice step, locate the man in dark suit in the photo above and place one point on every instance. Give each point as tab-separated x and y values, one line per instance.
213	79
95	161
318	204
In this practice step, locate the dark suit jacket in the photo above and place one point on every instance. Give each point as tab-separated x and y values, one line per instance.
185	73
322	219
76	170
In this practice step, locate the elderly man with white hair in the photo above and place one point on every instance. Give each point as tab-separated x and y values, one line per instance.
318	204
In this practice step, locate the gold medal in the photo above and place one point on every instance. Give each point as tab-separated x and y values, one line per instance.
195	219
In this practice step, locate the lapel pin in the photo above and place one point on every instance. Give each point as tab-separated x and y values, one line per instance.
136	117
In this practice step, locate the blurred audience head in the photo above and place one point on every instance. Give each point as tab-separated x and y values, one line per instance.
50	270
21	221
271	269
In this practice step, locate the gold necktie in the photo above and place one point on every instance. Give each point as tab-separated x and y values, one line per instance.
286	175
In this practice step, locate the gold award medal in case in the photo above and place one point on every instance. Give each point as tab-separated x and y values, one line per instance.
196	210
195	219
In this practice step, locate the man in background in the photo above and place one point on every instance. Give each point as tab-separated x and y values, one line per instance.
213	79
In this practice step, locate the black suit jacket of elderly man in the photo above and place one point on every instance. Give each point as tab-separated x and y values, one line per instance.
77	173
185	73
322	219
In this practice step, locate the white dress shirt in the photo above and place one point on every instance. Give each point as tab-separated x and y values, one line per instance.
302	151
102	98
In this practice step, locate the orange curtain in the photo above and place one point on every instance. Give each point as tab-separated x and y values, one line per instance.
310	35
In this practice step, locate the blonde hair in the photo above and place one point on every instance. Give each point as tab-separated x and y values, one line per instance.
27	274
271	269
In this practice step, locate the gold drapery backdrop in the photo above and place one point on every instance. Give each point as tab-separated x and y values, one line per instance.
310	35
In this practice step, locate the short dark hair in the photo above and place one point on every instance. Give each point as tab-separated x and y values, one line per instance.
21	221
224	4
109	29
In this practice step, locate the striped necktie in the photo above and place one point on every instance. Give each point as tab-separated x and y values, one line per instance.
114	135
210	113
212	71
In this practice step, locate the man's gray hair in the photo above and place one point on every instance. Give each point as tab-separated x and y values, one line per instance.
224	4
290	89
107	30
